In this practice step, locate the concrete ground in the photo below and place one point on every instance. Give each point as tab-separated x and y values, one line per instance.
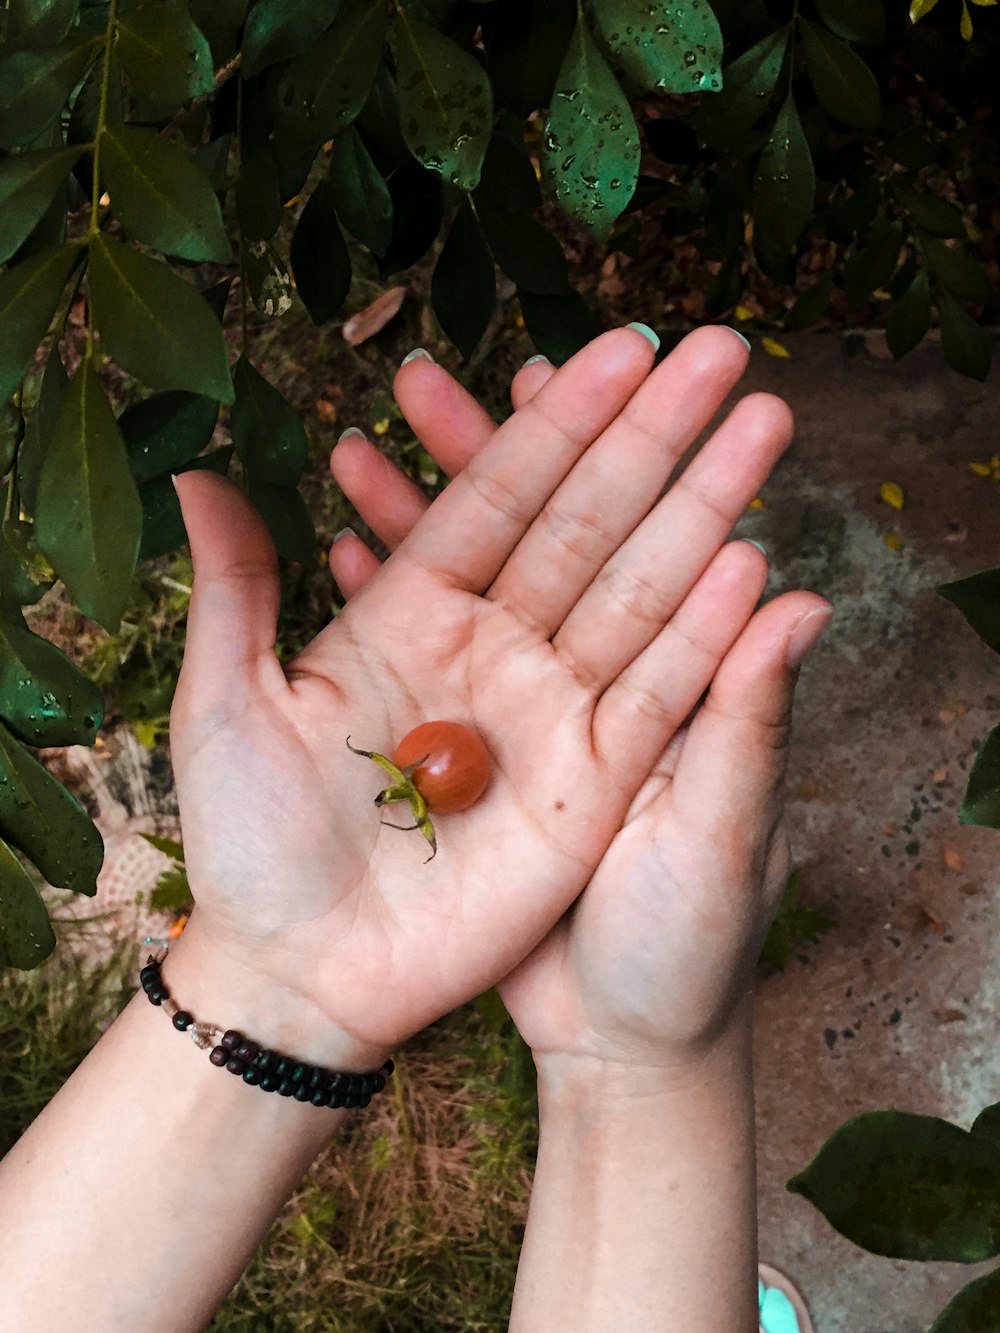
899	1006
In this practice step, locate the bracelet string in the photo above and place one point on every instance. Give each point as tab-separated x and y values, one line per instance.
269	1070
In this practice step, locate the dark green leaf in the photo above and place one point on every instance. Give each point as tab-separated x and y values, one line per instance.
958	273
907	1186
856	20
166	430
964	343
974	1309
843	82
168	846
725	289
161	197
324	90
792	925
11	435
677	48
38	815
981	803
278	29
154	324
165	56
525	44
258	195
26	935
871	268
858	210
724	219
38	24
558	325
267	431
978	599
526	251
38	431
320	258
590	155
288	521
417	210
463	286
29	295
811	306
87	515
927	211
360	195
910	317
25	574
220	21
85	114
218	296
163	528
45	699
172	892
34	87
726	119
445	102
508	183
987	1124
785	181
268	279
27	185
379	123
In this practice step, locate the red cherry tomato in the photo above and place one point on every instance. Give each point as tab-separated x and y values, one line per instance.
452	764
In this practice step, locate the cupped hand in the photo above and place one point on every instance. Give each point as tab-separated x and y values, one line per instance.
651	963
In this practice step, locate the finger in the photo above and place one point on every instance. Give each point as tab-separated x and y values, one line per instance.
388	501
536	372
640	712
233	614
617	481
352	563
448	421
474	526
647	578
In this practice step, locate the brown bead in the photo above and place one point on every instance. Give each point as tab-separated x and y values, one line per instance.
231	1039
219	1055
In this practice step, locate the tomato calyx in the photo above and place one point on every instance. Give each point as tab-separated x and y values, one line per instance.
402	788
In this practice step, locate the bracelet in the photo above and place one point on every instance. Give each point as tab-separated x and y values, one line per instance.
261	1068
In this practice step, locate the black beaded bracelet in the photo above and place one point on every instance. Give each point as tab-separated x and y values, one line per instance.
261	1068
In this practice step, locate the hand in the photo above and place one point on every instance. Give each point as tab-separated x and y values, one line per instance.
520	603
650	965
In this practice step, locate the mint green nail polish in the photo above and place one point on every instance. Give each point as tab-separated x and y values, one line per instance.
646	332
344	532
759	545
744	341
351	431
533	360
412	356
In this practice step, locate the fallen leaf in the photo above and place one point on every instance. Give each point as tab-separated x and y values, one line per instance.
757	503
743	313
807	788
948	1015
366	323
980	469
894	541
954	859
940	775
325	410
892	493
890	830
774	348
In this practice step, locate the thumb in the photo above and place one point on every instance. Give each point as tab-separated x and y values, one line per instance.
233	615
733	762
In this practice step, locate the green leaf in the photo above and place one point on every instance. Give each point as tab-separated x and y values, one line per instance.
45	699
417	210
872	267
959	274
38	815
25	574
792	923
37	24
168	846
161	197
163	528
981	803
26	934
785	181
220	21
289	523
927	211
320	258
508	183
676	48
11	435
525	44
843	82
268	279
28	183
35	85
278	29
464	284
526	251
39	429
268	434
974	1309
164	54
378	122
154	324
172	892
907	1186
258	195
324	90
166	430
590	154
978	598
29	295
445	102
360	195
87	516
811	306
910	317
559	325
856	20
964	343
726	120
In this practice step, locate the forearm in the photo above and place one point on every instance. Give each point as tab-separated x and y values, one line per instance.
643	1209
139	1195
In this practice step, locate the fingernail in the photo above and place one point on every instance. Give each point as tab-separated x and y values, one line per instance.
412	356
744	341
351	430
344	532
759	545
806	632
646	332
173	478
534	360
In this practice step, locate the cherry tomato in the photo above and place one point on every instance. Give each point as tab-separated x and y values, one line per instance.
447	763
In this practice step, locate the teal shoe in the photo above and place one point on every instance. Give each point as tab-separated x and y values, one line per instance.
782	1308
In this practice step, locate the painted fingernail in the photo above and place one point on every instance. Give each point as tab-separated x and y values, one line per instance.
344	532
646	332
349	432
414	355
759	545
806	632
744	341
534	360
